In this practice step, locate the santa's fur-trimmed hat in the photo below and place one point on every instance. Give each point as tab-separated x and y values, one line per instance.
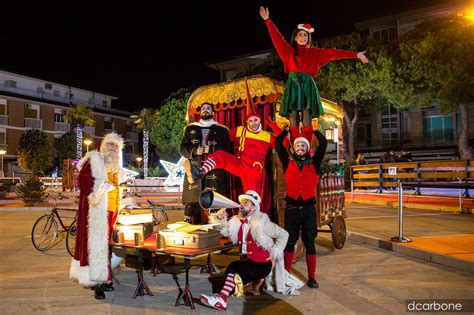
306	27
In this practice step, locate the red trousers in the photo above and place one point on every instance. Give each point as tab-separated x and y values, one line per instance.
250	173
112	218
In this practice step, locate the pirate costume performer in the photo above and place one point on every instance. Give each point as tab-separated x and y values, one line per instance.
99	201
301	177
302	62
201	139
260	241
251	145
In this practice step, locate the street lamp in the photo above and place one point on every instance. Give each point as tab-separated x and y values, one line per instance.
2	153
139	160
87	142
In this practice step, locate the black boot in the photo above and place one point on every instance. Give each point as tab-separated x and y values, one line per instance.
197	172
98	292
107	287
312	283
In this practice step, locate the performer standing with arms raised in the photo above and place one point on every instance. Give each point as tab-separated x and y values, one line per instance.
302	62
301	178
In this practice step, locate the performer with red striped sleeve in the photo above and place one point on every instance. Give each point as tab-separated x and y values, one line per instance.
251	145
261	243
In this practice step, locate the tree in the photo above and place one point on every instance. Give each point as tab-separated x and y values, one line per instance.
66	146
355	86
79	116
34	151
167	135
144	120
438	69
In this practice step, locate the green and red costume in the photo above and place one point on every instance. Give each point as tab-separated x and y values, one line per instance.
301	92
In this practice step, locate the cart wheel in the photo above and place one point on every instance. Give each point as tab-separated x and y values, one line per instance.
299	250
338	232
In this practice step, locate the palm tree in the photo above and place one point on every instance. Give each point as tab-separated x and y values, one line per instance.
79	116
144	121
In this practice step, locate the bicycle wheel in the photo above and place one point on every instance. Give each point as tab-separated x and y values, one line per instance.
45	232
160	218
71	238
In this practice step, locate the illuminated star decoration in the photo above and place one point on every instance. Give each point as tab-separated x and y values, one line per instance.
175	171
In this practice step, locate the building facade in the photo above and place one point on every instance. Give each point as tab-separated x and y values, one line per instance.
31	103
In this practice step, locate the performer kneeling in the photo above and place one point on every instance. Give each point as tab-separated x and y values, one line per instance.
260	241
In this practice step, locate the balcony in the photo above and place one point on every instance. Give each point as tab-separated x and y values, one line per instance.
61	127
89	130
132	136
33	123
4	120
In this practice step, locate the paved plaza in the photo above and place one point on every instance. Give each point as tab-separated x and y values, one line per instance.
359	279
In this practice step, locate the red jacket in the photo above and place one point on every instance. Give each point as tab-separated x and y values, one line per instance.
301	183
255	253
251	147
309	60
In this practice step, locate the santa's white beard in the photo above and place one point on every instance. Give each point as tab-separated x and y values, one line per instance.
112	161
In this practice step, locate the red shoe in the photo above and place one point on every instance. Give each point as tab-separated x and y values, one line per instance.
214	301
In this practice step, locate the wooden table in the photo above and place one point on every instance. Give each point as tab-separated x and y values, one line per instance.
185	296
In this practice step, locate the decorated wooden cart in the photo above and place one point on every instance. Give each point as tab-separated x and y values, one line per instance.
229	101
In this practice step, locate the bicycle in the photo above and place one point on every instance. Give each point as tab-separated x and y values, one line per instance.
45	232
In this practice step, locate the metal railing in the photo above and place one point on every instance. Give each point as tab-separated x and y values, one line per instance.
61	126
4	120
33	123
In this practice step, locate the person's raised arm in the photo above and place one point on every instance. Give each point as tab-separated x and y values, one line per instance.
283	48
321	150
328	54
281	149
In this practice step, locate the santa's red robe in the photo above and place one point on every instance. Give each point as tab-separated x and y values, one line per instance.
91	255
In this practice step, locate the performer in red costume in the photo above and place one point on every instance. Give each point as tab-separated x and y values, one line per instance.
260	243
302	62
301	177
251	145
99	201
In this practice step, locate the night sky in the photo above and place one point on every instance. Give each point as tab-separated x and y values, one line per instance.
141	51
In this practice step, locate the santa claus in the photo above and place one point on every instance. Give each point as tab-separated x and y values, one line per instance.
100	174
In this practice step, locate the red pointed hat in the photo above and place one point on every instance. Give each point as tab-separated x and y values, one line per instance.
306	27
250	107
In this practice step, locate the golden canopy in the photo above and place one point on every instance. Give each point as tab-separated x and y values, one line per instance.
233	94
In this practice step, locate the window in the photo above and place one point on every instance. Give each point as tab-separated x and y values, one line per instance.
31	111
386	34
438	129
104	103
108	123
129	127
129	148
390	126
3	136
3	107
10	83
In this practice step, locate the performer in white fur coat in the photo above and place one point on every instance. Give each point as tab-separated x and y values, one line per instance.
261	244
100	174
